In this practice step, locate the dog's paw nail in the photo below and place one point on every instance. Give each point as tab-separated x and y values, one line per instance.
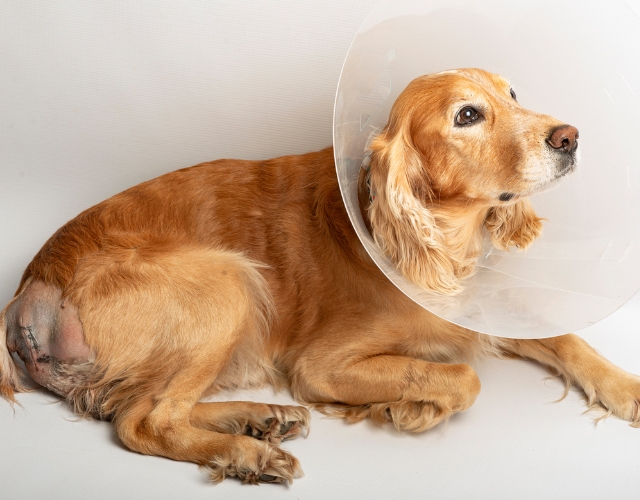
268	478
286	427
253	432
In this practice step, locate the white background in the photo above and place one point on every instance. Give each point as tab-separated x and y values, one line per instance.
98	96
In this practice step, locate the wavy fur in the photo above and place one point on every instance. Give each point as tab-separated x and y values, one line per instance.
235	274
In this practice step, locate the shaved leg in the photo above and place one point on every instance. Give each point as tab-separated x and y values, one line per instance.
45	331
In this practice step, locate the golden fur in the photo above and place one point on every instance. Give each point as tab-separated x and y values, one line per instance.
238	273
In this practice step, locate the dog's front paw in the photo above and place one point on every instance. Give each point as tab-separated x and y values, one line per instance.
524	236
513	225
411	416
619	395
255	462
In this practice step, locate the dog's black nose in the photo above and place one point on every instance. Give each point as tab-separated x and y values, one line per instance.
564	137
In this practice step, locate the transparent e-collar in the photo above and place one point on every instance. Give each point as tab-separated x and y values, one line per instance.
572	59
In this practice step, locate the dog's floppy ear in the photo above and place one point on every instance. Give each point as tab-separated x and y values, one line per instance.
404	228
513	225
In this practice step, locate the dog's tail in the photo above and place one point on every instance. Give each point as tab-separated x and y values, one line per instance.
11	375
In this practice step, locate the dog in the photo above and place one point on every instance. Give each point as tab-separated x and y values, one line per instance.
236	274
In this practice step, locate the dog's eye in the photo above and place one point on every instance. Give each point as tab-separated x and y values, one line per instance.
513	94
467	115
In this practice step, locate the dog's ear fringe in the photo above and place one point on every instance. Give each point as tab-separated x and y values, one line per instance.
405	230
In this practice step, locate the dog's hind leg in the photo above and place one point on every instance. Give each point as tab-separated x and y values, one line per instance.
167	322
163	322
273	423
160	423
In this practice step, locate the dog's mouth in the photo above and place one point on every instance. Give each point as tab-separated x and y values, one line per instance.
567	164
563	167
507	196
566	167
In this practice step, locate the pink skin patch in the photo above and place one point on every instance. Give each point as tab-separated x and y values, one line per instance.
45	331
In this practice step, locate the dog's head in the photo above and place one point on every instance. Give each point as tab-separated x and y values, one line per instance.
458	153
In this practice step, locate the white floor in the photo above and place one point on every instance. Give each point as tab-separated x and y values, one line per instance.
97	96
515	442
